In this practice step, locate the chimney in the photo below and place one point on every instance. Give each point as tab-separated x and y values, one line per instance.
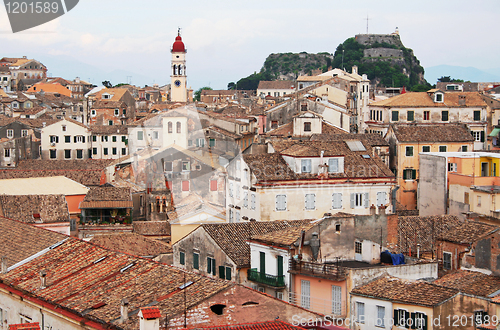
354	69
43	279
149	318
373	210
4	264
381	209
124	311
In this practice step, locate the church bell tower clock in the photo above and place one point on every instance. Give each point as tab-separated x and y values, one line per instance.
178	78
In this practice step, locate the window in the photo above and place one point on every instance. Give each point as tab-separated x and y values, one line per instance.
113	138
442	148
274	124
381	198
94	138
336	200
178	127
10	133
401	317
464	148
79	154
124	151
185	166
310	202
24	132
94	151
231	189
426	148
360	312
92	113
230	215
333	165
395	115
478	136
420	321
444	115
380	316
140	135
237	191
245	199
477	115
54	139
478	200
105	151
63	127
409	151
438	97
446	260
170	127
124	112
211	142
409	174
411	115
211	266
280	202
305	298
336	300
67	153
252	201
196	260
359	200
307	126
6	152
238	216
305	165
113	151
481	317
117	112
452	167
53	154
427	115
358	247
80	139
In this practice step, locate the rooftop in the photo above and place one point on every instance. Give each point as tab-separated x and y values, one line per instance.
55	185
432	133
425	99
470	282
133	244
35	208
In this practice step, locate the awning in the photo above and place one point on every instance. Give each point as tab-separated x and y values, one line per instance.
495	132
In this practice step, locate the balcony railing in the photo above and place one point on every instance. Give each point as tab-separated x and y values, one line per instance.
331	270
271	280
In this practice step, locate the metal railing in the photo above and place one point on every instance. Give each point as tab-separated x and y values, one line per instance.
271	280
318	305
314	268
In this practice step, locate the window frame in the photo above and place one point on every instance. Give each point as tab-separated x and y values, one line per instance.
280	198
409	151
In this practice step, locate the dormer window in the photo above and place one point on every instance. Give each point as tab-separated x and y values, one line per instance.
305	166
106	96
438	97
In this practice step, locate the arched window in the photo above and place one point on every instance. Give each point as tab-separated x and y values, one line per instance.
180	70
175	69
178	127
170	127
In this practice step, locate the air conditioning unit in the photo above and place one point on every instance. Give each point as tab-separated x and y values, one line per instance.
52	144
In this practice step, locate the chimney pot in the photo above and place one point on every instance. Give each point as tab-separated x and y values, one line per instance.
43	279
4	264
124	310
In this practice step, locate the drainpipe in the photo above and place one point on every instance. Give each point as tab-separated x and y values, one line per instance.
394	199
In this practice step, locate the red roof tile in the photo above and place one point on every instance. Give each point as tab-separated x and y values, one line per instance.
25	326
150	312
269	325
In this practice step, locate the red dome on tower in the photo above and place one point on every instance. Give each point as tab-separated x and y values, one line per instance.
178	46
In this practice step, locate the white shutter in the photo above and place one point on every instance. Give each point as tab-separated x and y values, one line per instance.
305	299
353	200
381	198
310	201
366	200
245	199
337	200
336	300
252	205
280	202
231	189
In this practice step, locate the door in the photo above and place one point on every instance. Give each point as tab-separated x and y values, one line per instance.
336	300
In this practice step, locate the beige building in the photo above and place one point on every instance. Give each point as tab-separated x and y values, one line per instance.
65	139
278	88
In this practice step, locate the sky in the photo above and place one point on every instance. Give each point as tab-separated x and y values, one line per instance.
227	40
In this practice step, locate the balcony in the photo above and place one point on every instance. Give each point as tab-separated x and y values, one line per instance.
325	270
270	280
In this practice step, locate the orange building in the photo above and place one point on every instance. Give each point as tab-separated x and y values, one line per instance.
50	88
407	141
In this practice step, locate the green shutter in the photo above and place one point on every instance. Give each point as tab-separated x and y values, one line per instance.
214	270
413	174
395	115
411	115
196	261
182	259
262	262
280	266
209	265
222	270
396	317
482	136
228	273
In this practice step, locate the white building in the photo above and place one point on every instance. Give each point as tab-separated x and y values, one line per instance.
109	142
65	139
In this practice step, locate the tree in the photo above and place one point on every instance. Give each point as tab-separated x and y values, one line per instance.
107	84
421	88
449	79
231	86
197	94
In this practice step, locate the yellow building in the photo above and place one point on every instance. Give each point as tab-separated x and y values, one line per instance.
407	141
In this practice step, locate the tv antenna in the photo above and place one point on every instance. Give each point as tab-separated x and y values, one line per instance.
367	19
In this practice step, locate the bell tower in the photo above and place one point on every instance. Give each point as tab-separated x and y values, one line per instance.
178	78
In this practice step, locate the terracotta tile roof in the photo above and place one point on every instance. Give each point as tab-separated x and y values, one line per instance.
277	84
425	99
372	139
283	237
150	313
432	133
470	282
151	228
224	132
271	167
107	197
132	243
24	240
109	129
405	291
35	208
268	325
232	237
426	231
87	172
106	104
25	326
116	92
211	92
92	282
